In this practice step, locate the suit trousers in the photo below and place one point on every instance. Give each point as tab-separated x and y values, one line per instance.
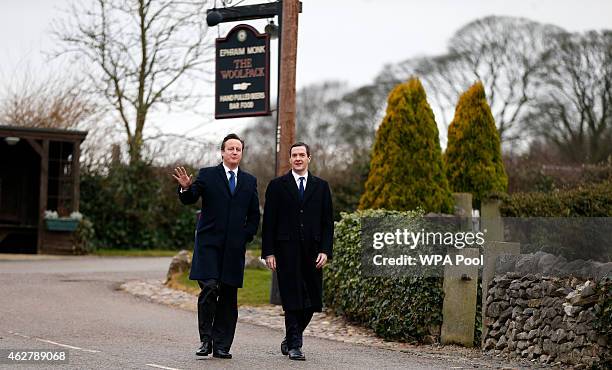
295	323
217	313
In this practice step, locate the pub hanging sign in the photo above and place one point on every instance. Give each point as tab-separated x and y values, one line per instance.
242	77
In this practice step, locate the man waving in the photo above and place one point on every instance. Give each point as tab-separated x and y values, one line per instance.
229	219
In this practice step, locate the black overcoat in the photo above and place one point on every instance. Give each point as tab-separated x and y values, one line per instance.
227	222
295	232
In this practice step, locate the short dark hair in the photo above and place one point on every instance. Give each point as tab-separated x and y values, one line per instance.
230	137
299	143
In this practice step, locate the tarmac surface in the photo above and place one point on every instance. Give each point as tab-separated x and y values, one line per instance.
74	304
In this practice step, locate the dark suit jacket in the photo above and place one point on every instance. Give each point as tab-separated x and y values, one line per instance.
295	232
227	222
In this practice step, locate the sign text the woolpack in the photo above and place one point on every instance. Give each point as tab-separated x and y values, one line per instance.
242	80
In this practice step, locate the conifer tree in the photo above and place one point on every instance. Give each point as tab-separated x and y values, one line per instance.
473	157
406	169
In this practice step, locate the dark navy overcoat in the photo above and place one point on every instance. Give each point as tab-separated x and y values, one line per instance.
227	222
295	231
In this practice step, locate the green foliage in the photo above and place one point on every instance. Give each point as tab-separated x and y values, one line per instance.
537	171
593	200
395	308
84	236
406	170
256	290
347	185
473	156
108	252
136	206
583	237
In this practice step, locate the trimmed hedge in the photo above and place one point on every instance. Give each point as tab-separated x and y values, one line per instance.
582	238
405	309
588	201
532	172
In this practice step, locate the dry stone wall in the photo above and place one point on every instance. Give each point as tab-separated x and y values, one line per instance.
550	320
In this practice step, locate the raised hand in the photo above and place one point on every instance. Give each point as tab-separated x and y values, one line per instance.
184	180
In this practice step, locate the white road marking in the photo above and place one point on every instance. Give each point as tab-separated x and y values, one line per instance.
162	367
55	343
19	335
67	346
83	349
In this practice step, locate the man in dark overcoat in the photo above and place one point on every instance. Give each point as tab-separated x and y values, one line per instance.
297	241
228	220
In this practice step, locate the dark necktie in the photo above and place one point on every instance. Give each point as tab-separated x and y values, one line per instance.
302	187
232	182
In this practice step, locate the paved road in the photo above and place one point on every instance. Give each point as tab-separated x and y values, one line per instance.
73	304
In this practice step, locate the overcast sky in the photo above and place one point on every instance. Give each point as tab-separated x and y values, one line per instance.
348	40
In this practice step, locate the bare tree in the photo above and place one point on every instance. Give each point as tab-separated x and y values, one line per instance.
339	126
260	149
505	53
573	110
314	125
58	102
53	102
359	112
316	117
139	55
166	148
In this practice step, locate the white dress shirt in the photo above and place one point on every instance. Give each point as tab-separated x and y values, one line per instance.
227	170
297	178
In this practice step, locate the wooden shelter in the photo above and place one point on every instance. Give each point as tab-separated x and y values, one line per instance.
39	170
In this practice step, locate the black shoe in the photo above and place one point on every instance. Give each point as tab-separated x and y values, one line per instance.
296	354
284	348
205	349
219	353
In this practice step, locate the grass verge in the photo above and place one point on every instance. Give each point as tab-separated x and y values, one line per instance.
135	252
255	292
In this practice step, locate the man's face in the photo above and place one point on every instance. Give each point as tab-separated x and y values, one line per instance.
232	153
299	159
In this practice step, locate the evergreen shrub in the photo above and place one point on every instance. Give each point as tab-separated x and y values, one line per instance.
406	170
473	157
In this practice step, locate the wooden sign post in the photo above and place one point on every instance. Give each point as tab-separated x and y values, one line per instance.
287	12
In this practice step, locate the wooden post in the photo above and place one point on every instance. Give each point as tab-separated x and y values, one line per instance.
42	201
286	104
286	100
76	174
